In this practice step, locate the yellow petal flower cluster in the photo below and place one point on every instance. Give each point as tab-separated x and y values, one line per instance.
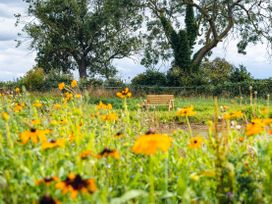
187	111
233	115
124	94
152	143
102	106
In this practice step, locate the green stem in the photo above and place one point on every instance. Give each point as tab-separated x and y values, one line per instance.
189	126
151	182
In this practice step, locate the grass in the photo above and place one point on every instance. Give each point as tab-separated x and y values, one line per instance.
228	165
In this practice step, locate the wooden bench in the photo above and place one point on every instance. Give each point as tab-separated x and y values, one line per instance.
159	100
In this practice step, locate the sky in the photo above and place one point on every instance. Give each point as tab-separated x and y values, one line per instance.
15	62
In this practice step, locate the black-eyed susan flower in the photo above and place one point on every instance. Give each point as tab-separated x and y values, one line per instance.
47	199
35	122
111	117
18	107
17	90
53	144
108	153
85	154
73	83
195	142
124	94
233	115
37	104
57	106
187	111
255	127
68	96
152	143
75	184
119	134
5	116
47	180
102	106
61	86
34	135
78	96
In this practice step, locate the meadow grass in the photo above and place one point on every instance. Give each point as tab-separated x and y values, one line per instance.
71	148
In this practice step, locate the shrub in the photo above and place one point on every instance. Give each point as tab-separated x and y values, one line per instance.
149	78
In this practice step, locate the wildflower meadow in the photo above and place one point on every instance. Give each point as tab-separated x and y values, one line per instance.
66	149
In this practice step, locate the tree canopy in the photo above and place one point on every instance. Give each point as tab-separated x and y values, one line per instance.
86	35
188	30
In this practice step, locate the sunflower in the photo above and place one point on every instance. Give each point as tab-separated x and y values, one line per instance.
53	144
34	135
152	143
108	153
61	86
195	142
47	180
74	184
187	111
124	94
255	127
73	83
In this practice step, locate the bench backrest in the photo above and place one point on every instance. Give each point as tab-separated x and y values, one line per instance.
159	99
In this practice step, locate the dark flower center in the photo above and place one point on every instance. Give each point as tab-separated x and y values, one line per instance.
33	130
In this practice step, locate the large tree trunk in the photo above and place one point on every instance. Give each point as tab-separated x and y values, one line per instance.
82	70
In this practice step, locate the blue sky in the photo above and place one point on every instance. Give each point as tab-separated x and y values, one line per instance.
15	62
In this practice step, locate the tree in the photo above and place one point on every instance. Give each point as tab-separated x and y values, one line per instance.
240	74
86	35
175	26
150	78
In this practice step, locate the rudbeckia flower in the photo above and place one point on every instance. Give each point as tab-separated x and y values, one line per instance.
48	200
37	104
57	106
233	115
86	154
152	143
102	106
109	117
47	180
255	127
74	184
195	142
124	94
108	153
53	144
18	107
61	86
73	83
187	111
35	122
5	116
17	90
34	135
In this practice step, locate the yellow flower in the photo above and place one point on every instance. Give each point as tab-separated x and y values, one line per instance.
46	180
53	144
86	154
36	122
108	153
102	106
18	107
75	184
111	117
73	83
34	135
124	94
57	106
17	90
152	143
61	86
233	115
78	96
68	96
255	127
37	104
195	142
187	111
5	116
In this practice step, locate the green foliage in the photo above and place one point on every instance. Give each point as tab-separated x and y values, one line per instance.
150	78
82	35
240	74
34	79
